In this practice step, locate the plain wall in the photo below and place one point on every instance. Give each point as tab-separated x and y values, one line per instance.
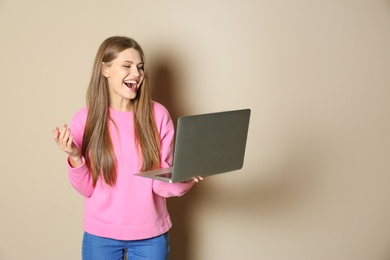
315	184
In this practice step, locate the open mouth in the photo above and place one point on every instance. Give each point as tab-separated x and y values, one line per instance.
131	84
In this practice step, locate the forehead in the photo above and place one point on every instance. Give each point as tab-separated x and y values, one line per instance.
130	55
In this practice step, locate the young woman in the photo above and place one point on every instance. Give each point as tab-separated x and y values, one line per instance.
121	131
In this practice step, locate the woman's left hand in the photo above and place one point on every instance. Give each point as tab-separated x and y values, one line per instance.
194	180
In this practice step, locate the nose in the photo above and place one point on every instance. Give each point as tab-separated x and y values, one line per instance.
135	71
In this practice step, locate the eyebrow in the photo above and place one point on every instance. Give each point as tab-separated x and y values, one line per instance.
141	63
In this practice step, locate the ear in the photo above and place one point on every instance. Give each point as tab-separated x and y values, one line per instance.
105	70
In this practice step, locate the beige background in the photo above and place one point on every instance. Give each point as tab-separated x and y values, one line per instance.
315	184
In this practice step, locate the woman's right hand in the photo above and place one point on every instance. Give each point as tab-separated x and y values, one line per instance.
64	140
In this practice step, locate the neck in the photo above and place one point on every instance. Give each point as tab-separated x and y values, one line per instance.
123	106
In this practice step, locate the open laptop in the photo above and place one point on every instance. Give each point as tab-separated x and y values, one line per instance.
206	145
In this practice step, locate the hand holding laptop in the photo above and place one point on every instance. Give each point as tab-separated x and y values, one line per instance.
196	180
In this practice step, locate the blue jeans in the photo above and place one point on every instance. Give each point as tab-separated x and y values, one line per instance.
100	248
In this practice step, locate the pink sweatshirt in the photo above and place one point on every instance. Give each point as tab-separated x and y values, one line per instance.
135	207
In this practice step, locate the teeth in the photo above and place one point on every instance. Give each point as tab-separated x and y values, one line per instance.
131	83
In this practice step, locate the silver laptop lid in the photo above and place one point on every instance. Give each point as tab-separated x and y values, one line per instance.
209	144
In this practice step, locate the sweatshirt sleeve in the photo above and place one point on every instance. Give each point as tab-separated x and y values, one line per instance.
80	177
167	132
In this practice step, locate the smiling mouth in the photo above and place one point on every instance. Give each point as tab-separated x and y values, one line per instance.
131	84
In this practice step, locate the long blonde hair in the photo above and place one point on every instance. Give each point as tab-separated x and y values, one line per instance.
97	146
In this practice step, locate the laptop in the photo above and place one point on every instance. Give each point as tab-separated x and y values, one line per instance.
206	145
